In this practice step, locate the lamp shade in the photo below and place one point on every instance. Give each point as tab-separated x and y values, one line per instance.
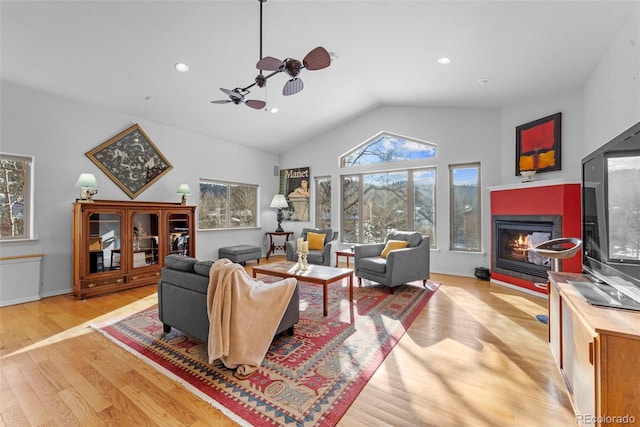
87	180
279	202
183	189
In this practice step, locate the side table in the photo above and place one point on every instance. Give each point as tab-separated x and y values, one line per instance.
348	253
272	246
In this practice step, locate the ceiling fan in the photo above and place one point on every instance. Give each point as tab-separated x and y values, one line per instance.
237	97
317	59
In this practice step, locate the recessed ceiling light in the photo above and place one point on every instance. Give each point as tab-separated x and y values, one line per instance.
444	60
484	81
273	110
180	66
149	98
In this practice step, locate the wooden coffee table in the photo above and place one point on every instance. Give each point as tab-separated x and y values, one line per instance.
319	274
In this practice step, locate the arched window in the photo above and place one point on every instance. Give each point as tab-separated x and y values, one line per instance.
387	147
384	199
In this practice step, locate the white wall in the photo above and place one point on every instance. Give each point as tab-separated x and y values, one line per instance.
571	107
58	132
461	134
612	94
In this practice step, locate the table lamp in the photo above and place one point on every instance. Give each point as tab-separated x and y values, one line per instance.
184	190
89	185
279	202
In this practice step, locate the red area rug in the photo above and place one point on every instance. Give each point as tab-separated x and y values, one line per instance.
309	379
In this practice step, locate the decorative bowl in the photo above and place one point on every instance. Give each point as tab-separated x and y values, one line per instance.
528	175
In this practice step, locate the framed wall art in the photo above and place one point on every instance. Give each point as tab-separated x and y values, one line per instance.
294	184
538	145
131	160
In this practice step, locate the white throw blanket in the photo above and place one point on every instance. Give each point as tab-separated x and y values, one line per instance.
244	314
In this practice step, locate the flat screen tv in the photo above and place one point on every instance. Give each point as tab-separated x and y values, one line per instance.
611	220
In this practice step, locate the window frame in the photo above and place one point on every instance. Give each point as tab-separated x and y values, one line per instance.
478	216
410	202
28	197
318	203
394	137
228	184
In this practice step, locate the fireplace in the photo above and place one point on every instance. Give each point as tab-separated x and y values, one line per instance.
537	204
514	235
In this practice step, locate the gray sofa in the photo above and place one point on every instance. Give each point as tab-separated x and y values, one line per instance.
400	266
320	257
182	298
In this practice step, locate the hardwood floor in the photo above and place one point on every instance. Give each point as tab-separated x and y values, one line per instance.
475	356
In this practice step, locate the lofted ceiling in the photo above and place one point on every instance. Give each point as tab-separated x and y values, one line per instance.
120	55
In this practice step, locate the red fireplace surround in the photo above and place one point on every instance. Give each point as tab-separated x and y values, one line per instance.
551	197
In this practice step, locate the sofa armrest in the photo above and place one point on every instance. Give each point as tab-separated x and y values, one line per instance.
409	264
329	250
290	248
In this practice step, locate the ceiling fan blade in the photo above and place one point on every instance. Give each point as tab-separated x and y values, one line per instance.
317	59
292	87
222	101
269	63
232	94
256	103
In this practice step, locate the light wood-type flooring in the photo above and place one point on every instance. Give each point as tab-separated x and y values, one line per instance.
475	356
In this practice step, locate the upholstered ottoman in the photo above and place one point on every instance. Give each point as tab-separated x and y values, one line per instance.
240	253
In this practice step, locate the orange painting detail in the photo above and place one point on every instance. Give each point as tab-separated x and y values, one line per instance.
538	161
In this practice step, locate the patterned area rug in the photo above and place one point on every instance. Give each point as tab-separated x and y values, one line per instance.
309	379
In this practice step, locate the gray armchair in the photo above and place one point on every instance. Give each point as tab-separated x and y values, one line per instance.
400	266
321	257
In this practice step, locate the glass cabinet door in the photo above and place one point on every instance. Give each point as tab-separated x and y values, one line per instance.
179	234
104	242
145	239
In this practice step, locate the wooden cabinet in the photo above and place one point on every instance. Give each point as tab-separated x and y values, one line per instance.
598	352
120	245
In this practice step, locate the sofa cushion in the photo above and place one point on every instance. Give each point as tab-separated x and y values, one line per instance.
202	268
374	264
328	233
179	262
392	245
316	241
413	237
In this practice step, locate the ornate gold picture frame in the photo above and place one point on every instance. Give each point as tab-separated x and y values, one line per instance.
131	160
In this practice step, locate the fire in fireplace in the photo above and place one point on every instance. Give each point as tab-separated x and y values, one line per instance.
514	235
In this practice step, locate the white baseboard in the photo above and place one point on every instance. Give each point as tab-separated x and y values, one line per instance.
521	289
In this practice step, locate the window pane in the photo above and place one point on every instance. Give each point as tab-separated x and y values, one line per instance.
213	206
350	208
385	204
323	202
243	202
465	208
227	205
424	204
387	147
15	196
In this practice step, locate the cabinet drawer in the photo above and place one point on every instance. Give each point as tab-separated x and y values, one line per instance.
94	283
145	276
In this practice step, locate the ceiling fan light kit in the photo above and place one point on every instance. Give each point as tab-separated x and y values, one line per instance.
316	59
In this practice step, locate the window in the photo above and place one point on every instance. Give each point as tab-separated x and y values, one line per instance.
375	203
225	205
465	207
386	147
16	178
323	202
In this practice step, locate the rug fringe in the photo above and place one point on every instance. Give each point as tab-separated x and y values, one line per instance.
175	378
